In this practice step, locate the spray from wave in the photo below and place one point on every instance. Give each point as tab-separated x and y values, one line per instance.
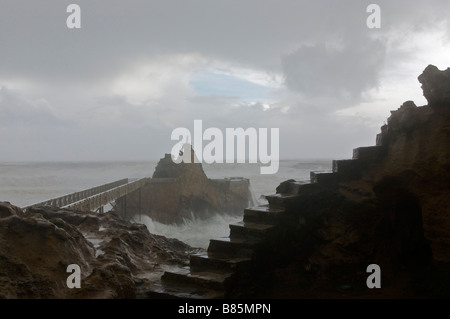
193	231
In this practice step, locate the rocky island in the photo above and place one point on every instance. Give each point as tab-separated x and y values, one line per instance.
388	205
185	192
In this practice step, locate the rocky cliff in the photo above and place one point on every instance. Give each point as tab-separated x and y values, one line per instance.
388	205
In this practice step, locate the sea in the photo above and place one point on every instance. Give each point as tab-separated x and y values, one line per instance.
27	183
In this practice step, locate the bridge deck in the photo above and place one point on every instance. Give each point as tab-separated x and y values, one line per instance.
97	197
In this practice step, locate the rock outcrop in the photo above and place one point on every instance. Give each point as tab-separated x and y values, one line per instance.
389	205
435	85
185	192
115	257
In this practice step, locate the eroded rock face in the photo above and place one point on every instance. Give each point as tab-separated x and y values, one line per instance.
435	85
115	257
410	188
396	214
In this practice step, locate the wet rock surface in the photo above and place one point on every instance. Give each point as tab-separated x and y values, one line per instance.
115	257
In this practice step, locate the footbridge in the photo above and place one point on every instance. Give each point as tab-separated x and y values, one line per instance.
96	198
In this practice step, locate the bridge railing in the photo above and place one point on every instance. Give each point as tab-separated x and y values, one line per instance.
78	196
97	197
102	199
159	180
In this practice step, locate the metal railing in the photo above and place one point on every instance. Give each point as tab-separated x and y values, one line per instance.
78	196
97	197
100	200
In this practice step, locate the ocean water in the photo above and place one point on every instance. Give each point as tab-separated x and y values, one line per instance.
26	183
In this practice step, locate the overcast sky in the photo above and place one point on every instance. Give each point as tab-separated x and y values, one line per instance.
136	70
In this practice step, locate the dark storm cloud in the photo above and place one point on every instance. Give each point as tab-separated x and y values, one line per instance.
36	42
320	70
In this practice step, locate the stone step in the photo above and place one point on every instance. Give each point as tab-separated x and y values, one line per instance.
235	246
281	200
348	169
219	262
205	279
340	166
369	153
166	289
296	186
251	229
324	177
290	186
263	214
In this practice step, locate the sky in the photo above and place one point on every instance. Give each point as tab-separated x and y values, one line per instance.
116	88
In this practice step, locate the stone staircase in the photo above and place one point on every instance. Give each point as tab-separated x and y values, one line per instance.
228	263
231	263
350	169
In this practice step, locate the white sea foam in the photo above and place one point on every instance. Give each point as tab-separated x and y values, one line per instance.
194	232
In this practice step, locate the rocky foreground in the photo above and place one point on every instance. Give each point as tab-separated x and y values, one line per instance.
115	257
